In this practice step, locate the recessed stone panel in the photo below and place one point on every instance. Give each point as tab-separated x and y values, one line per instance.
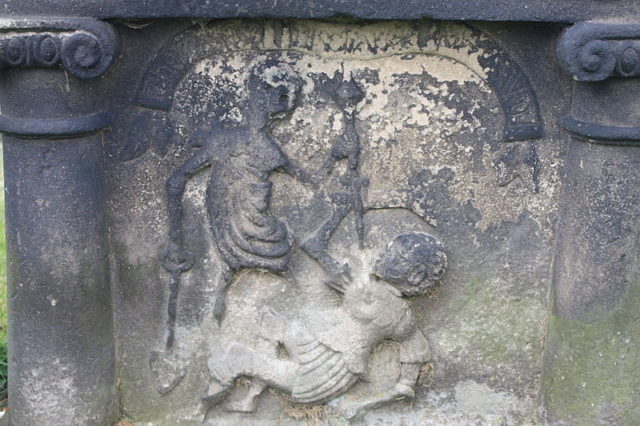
331	220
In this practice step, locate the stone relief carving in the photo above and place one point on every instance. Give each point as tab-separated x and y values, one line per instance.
324	357
346	94
247	235
288	219
328	349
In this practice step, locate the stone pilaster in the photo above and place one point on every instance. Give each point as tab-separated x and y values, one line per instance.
61	341
593	342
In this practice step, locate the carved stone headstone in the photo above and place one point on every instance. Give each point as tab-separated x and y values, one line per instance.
331	215
340	221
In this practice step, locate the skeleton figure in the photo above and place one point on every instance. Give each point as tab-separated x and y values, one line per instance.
328	348
241	159
247	235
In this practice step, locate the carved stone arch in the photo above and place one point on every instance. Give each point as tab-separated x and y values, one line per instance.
187	48
459	42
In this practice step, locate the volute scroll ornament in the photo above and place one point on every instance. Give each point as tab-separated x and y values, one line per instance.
85	47
595	51
592	52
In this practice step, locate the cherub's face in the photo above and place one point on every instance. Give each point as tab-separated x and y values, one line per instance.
365	300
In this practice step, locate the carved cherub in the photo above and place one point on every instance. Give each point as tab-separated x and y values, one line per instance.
328	348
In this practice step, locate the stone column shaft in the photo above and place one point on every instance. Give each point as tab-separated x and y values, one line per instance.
593	346
61	338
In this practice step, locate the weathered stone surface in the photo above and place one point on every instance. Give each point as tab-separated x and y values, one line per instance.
488	10
322	220
592	346
392	128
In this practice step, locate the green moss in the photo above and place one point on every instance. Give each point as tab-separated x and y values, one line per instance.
497	328
592	366
509	325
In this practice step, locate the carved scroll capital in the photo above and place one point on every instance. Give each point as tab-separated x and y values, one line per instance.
85	47
592	51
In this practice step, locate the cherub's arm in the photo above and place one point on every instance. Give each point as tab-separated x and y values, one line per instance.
177	257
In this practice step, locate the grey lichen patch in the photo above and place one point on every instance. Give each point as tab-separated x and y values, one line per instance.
49	392
486	333
480	399
65	388
469	403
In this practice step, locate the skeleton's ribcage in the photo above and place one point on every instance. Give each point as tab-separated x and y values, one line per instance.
323	374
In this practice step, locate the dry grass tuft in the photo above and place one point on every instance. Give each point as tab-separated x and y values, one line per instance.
312	414
427	372
243	382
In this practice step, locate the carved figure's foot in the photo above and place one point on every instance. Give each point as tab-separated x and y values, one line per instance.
404	391
245	405
351	409
168	371
224	370
218	368
215	392
345	408
245	399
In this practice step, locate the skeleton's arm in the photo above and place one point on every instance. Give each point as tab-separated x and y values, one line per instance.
177	258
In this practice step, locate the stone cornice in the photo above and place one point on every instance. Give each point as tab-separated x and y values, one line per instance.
488	10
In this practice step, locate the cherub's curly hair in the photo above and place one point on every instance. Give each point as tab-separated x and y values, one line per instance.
412	262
